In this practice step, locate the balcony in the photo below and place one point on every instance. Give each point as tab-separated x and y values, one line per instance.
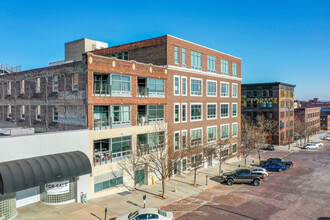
150	114
144	149
107	156
100	124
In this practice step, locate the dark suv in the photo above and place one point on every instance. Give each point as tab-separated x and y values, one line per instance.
242	176
286	164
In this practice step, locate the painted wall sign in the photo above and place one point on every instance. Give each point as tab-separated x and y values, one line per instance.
57	188
258	100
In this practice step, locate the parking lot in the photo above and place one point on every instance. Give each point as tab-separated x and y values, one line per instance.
302	192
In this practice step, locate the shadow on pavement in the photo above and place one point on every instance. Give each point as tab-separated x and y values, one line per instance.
95	216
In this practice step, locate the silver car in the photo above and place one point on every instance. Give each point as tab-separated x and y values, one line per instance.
148	213
311	146
259	170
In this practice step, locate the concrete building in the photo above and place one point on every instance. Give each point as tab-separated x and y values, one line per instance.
311	117
51	167
275	102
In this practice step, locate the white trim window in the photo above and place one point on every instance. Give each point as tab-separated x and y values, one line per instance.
176	55
211	134
224	67
234	109
224	110
176	112
225	151
234	90
121	115
196	137
37	82
224	89
234	148
55	83
196	87
196	60
196	111
184	139
184	112
176	140
176	85
121	85
184	85
234	69
224	131
234	128
211	64
8	88
23	112
196	160
184	57
211	88
22	86
211	110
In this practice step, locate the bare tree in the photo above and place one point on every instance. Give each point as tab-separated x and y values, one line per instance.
300	128
249	137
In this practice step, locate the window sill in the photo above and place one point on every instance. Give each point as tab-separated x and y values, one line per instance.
193	120
212	118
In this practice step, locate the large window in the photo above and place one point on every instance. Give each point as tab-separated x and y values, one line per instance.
234	148
121	147
224	131
212	134
224	89
212	111
150	142
156	87
176	55
196	60
156	113
121	85
196	112
184	57
234	109
184	85
225	151
120	114
184	112
196	87
101	116
105	182
234	129
177	140
224	67
224	110
211	88
234	90
176	85
196	136
184	139
211	64
177	113
234	69
196	160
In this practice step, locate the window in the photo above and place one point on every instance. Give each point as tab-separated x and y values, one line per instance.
225	152
224	67
55	114
38	113
8	88
176	113
234	148
184	85
183	57
211	134
55	83
212	111
22	88
155	87
211	88
270	104
126	55
37	82
211	64
75	81
150	142
176	85
196	87
120	114
224	89
184	139
155	113
107	181
196	161
9	112
120	147
224	110
176	140
224	131
23	112
176	55
196	112
120	85
234	90
234	109
184	112
196	136
264	104
234	129
234	69
196	60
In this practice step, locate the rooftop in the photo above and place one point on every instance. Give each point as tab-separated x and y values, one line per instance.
269	84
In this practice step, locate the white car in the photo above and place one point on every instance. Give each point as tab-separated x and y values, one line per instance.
311	146
148	213
259	170
326	138
318	144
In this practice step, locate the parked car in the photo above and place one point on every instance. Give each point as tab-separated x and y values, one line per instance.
147	213
326	138
310	146
259	170
274	167
286	164
318	144
242	176
270	147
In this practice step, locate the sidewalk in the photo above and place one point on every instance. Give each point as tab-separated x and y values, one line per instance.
131	201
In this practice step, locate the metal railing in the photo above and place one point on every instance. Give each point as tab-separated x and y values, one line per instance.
9	68
101	89
144	149
145	92
105	124
146	120
105	157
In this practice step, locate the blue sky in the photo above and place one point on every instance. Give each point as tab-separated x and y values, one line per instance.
285	41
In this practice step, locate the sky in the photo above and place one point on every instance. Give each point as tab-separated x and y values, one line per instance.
287	41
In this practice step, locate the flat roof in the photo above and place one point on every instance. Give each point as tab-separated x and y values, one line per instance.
268	84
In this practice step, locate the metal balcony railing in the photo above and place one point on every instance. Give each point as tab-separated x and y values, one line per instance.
145	92
146	120
105	157
106	124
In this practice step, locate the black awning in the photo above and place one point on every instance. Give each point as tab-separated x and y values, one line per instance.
22	174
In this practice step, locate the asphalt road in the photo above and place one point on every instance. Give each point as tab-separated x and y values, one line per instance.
302	192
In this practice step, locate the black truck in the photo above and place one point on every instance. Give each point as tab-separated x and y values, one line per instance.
242	176
287	164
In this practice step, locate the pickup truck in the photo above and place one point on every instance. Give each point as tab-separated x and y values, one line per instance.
286	164
242	176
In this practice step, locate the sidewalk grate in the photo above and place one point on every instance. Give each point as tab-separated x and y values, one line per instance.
124	193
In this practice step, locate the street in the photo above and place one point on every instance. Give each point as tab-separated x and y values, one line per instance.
302	192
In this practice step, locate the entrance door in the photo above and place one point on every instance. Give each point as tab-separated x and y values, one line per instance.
140	177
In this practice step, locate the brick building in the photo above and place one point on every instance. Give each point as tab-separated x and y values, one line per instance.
311	117
275	102
325	120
